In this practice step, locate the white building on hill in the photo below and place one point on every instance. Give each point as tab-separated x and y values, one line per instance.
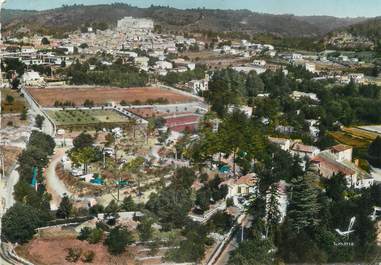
130	24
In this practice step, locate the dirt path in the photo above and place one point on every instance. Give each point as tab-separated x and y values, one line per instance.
9	189
54	185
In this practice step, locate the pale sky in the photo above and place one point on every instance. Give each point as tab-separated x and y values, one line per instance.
340	8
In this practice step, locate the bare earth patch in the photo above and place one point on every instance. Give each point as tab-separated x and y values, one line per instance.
52	251
10	156
102	95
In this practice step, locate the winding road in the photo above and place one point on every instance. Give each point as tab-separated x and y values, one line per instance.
53	184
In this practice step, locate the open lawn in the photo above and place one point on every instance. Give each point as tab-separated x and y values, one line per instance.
85	117
46	97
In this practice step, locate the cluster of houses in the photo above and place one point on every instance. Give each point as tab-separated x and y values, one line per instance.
319	64
332	161
133	40
246	49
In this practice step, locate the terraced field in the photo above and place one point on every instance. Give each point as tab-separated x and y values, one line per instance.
374	130
349	139
357	138
361	133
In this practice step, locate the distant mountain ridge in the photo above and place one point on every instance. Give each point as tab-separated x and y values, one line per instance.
370	28
70	18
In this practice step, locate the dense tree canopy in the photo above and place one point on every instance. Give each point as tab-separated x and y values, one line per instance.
253	252
115	75
374	152
33	207
173	78
303	209
20	221
117	240
83	140
192	249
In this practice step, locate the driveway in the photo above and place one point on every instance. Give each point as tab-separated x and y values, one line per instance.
53	184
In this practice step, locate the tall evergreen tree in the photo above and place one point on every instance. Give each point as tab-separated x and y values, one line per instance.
65	208
128	204
272	208
304	208
117	240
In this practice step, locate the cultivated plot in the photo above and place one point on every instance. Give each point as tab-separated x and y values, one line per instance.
85	117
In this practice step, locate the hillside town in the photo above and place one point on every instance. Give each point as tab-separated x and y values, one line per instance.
132	144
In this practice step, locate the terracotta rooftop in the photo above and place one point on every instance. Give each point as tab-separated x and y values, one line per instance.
249	180
325	160
340	148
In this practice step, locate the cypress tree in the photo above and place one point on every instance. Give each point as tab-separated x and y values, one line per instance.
272	208
304	208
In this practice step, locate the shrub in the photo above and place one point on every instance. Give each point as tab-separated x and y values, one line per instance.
229	202
73	254
221	222
84	233
88	256
117	240
95	236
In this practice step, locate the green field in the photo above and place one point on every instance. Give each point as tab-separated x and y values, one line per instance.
86	117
